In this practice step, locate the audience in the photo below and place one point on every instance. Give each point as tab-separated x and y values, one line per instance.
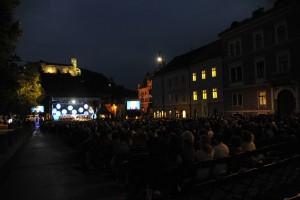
174	142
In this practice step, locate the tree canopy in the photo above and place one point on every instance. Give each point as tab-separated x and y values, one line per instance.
19	87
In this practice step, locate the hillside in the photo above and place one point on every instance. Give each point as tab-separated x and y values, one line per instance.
89	84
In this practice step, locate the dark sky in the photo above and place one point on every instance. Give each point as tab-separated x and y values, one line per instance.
121	38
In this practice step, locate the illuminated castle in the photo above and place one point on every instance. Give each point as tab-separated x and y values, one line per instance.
54	68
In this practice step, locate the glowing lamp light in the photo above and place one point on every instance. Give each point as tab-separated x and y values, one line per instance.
86	106
64	111
73	101
70	107
159	59
74	112
55	117
58	106
80	110
58	113
86	113
54	110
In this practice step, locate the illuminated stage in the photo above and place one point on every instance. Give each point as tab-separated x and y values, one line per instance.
67	108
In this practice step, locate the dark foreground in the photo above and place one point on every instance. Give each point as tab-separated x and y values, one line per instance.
44	168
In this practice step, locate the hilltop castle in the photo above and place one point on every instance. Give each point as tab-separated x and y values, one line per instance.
54	68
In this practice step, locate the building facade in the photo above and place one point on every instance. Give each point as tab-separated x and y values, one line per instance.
190	86
261	62
145	94
206	88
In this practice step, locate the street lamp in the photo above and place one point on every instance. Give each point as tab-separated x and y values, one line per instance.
161	65
159	58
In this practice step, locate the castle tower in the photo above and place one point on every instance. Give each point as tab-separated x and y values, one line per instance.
74	62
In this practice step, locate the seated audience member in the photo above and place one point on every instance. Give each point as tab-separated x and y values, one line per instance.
221	150
138	143
235	148
206	152
235	145
268	133
175	147
248	145
187	155
247	141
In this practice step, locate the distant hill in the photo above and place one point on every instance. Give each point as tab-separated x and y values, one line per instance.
89	84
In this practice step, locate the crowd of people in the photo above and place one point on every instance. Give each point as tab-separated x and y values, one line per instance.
171	142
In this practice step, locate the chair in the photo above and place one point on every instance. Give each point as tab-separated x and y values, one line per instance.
137	171
164	180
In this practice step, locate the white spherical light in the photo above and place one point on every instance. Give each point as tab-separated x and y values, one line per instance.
70	107
58	106
64	111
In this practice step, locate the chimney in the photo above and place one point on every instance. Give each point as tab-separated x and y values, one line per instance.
258	12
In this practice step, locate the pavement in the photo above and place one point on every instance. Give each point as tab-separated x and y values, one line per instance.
42	166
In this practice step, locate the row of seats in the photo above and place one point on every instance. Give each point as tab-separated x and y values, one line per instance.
180	181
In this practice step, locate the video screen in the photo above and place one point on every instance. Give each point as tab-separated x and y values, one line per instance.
38	109
133	105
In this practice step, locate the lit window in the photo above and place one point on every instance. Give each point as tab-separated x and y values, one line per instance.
195	96
213	72
204	94
203	74
183	114
215	93
194	77
262	98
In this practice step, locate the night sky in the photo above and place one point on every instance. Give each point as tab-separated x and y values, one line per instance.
121	38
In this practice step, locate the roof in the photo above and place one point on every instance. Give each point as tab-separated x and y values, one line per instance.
259	13
206	52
